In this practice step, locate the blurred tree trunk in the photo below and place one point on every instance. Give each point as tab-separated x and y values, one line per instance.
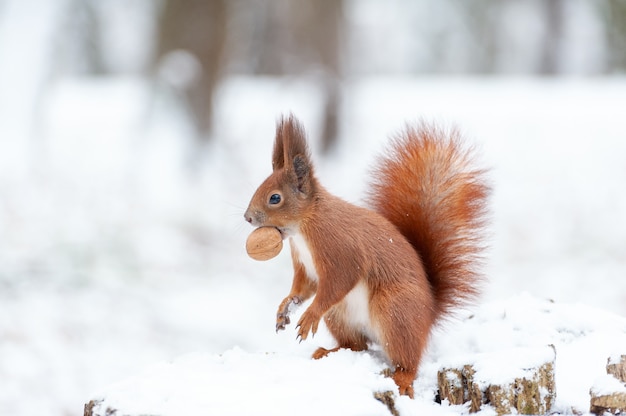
615	24
554	11
324	31
300	36
481	18
81	40
199	28
295	37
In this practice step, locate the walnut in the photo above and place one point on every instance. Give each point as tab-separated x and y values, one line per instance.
264	243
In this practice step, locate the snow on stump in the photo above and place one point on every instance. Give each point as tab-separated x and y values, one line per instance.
608	394
519	381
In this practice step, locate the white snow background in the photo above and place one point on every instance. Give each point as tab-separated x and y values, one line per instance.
117	259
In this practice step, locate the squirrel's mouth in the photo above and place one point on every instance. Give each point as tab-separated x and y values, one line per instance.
285	232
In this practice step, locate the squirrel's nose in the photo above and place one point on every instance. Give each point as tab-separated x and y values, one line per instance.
248	217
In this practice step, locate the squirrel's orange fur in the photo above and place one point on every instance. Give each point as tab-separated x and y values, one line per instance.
385	274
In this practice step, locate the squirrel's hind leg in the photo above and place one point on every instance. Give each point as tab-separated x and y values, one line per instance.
403	336
323	352
404	380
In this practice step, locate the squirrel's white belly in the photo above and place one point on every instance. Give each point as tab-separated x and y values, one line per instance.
357	311
355	304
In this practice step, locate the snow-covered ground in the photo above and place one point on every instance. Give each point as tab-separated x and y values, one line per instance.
503	340
120	247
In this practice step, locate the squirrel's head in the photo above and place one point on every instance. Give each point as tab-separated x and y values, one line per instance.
284	198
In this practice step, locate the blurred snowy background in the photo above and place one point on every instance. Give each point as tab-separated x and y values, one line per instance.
133	132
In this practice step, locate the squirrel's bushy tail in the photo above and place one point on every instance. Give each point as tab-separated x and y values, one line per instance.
428	187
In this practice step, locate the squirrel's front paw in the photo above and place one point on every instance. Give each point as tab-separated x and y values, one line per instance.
308	323
282	316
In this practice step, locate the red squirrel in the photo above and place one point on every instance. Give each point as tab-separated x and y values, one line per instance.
384	274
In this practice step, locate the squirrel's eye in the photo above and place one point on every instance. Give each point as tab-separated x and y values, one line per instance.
275	199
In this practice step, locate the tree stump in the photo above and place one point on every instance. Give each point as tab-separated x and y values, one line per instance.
529	389
458	387
92	409
616	366
452	385
613	403
608	393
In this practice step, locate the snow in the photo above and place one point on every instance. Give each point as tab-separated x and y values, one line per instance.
499	341
236	382
606	385
117	253
615	358
508	335
501	367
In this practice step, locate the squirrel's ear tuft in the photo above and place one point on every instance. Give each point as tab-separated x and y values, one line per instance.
294	138
278	155
290	142
291	152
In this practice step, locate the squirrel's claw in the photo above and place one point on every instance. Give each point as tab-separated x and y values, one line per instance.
308	323
282	316
282	320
